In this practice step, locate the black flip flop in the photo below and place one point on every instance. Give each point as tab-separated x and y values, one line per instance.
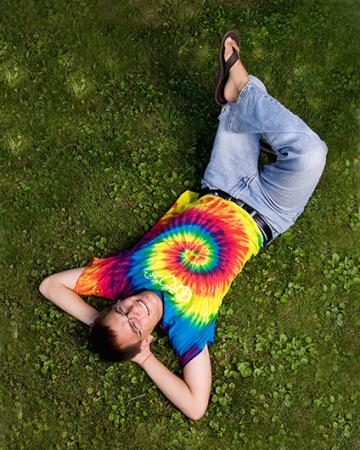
225	67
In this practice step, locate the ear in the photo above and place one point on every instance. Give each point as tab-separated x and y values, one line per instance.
146	342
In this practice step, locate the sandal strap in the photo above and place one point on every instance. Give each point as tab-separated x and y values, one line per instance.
231	61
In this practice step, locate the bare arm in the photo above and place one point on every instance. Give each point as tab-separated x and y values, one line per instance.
58	289
191	394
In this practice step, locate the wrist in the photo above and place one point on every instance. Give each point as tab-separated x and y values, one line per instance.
145	360
92	319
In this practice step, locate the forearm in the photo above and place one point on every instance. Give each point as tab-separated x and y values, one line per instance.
173	387
69	301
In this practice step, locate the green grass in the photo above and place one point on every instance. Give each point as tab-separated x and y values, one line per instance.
107	115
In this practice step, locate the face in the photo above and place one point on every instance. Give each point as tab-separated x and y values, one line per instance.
143	312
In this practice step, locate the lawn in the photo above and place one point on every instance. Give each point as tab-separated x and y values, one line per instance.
107	115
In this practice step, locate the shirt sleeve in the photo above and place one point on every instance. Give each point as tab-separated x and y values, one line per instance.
105	277
205	337
186	338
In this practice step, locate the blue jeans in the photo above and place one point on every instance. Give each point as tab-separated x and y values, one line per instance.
279	191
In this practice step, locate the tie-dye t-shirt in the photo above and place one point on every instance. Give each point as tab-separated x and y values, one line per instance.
190	257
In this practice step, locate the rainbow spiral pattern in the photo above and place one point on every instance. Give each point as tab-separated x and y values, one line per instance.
192	254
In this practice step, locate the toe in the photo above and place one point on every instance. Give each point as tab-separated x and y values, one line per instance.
235	46
228	48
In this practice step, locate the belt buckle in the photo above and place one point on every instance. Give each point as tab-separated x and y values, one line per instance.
264	235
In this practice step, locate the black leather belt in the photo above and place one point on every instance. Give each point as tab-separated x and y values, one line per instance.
263	226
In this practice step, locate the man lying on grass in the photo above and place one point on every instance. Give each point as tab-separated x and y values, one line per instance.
179	272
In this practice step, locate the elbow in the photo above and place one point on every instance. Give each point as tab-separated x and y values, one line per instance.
198	412
44	286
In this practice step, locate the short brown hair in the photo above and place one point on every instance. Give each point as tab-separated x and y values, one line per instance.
104	342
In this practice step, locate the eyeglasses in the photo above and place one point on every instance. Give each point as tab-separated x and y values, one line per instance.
134	324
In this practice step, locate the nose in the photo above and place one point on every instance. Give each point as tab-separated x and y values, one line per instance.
135	310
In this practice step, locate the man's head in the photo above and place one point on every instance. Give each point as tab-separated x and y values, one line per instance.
124	329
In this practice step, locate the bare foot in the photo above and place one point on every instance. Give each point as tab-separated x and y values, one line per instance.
238	75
